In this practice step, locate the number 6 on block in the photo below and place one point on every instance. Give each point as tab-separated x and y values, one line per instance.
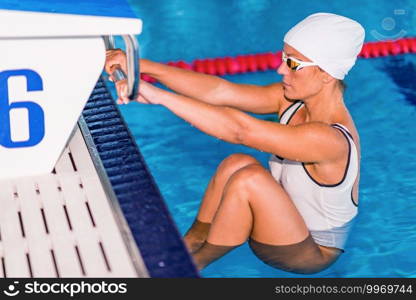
36	117
47	74
44	85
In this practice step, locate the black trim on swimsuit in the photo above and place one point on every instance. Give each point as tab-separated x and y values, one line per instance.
350	135
281	117
352	197
346	169
346	131
287	108
297	108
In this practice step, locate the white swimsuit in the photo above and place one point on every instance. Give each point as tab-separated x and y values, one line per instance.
328	210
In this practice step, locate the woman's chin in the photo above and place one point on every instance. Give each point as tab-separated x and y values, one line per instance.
288	95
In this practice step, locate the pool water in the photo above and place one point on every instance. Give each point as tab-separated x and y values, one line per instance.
381	96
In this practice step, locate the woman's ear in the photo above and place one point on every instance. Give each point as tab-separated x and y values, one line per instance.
327	78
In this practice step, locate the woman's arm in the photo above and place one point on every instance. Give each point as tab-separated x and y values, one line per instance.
207	88
217	121
215	90
312	142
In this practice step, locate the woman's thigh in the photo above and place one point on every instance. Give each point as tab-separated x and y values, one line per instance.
277	221
279	236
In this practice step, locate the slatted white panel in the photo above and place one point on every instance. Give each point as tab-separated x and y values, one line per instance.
63	239
110	236
80	153
39	258
64	164
63	224
13	243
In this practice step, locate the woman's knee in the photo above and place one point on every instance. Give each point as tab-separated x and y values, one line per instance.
252	175
246	179
233	163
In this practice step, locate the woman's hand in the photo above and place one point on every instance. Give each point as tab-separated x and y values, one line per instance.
116	58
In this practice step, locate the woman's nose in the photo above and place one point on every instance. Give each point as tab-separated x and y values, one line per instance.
282	69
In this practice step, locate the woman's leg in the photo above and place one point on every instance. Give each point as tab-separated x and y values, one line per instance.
254	205
198	232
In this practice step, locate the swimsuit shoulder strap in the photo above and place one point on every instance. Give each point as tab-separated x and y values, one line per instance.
343	129
290	112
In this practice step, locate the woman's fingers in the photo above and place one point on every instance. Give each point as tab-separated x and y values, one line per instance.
122	91
115	58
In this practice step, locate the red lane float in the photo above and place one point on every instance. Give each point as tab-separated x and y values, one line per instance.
270	61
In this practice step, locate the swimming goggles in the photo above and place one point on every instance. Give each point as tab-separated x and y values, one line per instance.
295	64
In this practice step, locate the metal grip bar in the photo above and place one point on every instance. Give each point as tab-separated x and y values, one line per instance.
133	66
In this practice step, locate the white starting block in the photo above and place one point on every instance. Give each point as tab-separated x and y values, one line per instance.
62	223
41	56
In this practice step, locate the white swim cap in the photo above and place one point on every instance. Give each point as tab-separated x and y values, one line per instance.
331	41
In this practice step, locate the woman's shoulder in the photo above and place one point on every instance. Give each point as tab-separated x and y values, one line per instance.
348	125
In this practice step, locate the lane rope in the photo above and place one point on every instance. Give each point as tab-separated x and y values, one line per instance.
240	64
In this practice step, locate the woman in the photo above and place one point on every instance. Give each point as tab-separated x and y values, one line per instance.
296	215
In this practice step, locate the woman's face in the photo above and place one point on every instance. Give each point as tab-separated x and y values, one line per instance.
301	84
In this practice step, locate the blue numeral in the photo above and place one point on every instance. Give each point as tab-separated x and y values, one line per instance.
35	112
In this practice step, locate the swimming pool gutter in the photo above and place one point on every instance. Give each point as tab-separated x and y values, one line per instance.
133	191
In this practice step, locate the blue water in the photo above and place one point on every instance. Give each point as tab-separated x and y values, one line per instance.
381	96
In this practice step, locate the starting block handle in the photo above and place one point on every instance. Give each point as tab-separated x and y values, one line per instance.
133	66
